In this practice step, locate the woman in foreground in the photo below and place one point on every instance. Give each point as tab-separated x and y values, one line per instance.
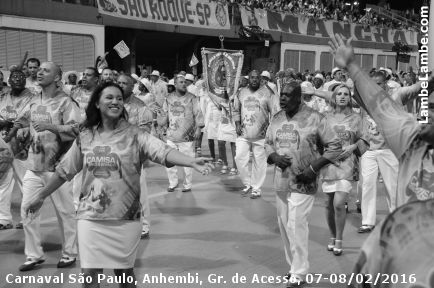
110	151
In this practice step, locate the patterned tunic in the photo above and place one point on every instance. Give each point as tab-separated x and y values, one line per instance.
253	111
299	139
111	168
184	116
46	147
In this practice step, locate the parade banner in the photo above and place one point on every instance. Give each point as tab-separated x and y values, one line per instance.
222	70
193	13
319	28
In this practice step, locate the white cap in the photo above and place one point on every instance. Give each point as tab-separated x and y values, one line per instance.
155	73
320	76
266	74
336	69
189	77
171	82
387	70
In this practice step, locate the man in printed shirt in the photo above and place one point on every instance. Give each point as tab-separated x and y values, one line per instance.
81	94
140	115
253	107
292	145
185	120
407	229
12	103
31	81
52	118
158	87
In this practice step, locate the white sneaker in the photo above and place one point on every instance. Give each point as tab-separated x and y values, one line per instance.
295	281
246	190
255	194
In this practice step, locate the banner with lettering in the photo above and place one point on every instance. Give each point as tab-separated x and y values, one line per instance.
194	13
222	70
319	28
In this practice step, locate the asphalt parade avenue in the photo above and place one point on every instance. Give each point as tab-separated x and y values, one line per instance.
209	232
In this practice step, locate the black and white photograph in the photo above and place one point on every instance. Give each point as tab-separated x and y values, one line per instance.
216	143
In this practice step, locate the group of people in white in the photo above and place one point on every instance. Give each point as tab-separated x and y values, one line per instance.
99	132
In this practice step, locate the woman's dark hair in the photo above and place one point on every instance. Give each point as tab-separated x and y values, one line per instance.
93	115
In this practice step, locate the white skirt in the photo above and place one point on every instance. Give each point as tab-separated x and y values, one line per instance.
227	132
108	244
330	186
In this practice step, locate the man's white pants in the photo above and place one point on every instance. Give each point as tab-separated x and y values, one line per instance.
146	211
293	210
188	149
63	204
256	178
388	164
14	175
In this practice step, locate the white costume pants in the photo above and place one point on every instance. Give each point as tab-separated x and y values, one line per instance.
188	149
144	201
14	175
259	166
63	204
388	164
293	209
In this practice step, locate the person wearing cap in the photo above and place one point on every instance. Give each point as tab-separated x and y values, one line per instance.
244	81
391	84
253	109
337	78
266	80
184	119
158	87
189	81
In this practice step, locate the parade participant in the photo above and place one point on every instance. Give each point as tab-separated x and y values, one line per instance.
227	133
252	111
200	87
158	87
109	211
140	115
70	81
107	75
81	94
344	124
291	144
32	81
412	144
184	120
266	80
337	78
3	86
391	84
212	122
53	119
12	104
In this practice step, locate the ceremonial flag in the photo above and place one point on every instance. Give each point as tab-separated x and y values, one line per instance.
193	60
122	49
222	70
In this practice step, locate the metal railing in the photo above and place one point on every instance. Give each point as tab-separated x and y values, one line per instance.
393	16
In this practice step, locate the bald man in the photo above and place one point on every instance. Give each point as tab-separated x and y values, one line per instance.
52	119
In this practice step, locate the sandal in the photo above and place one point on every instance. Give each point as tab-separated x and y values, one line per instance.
5	227
331	245
19	226
233	172
224	170
338	251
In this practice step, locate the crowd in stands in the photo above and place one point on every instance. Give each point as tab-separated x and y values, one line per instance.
340	10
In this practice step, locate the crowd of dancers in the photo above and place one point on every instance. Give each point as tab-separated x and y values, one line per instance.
85	141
